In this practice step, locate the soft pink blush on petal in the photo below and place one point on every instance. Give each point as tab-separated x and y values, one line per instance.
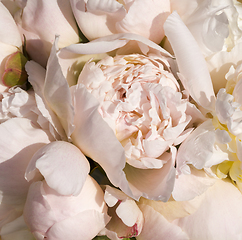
96	139
63	166
127	219
45	208
19	141
146	18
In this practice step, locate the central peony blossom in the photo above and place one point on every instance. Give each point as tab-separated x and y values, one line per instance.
141	101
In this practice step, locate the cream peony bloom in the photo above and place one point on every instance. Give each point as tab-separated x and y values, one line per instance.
215	145
141	101
216	26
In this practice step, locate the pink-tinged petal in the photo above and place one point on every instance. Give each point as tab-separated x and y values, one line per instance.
45	207
96	139
191	63
9	33
150	26
63	166
19	140
126	217
57	93
37	79
156	227
116	41
85	225
154	184
41	21
219	215
188	186
92	16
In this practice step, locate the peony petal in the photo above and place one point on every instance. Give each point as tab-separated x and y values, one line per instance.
190	61
115	41
188	186
56	92
221	207
161	180
36	78
19	140
96	139
127	219
85	225
45	207
9	33
63	166
197	149
150	26
97	18
41	21
157	227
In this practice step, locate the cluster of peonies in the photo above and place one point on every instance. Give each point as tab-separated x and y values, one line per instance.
120	119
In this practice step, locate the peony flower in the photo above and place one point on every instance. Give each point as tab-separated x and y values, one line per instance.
10	42
142	104
216	26
40	21
215	145
101	18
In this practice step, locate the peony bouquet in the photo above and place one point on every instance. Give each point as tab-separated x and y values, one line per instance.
121	119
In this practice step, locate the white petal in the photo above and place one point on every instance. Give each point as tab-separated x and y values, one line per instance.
190	61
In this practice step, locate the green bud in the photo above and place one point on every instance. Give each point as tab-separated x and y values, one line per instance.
15	73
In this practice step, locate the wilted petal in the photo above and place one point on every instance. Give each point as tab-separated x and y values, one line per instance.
63	166
190	61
